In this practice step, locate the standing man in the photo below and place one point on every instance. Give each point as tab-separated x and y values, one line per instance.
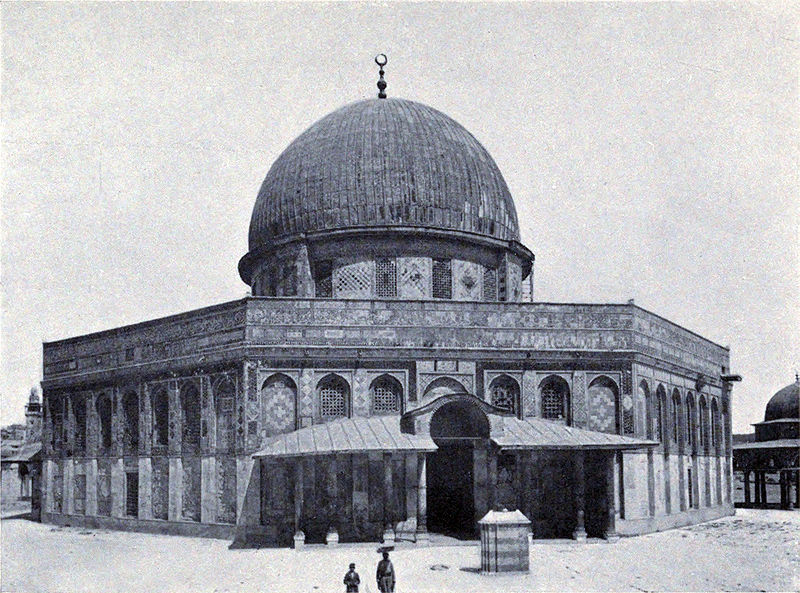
385	574
351	580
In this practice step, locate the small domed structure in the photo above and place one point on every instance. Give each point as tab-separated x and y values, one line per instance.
785	404
385	198
782	415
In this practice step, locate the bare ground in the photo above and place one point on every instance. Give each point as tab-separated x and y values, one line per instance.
753	551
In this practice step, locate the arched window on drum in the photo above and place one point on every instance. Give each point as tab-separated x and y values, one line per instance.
504	393
334	397
387	395
555	398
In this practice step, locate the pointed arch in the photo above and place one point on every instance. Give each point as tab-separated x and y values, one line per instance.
130	422
603	394
102	408
190	415
224	392
159	406
386	394
555	398
333	393
443	386
504	393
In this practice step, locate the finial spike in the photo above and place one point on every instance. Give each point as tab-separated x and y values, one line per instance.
381	61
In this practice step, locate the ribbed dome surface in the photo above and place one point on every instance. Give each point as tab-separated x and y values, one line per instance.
383	162
784	404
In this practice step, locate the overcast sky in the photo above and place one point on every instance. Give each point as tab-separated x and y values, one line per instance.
651	149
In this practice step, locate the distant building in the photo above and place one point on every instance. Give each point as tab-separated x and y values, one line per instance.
389	376
20	459
772	459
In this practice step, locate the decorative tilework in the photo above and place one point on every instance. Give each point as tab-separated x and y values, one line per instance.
467	281
602	406
579	407
529	407
353	281
278	400
252	408
306	395
360	393
414	277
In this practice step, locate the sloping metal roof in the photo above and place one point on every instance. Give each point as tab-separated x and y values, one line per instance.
346	435
776	444
535	433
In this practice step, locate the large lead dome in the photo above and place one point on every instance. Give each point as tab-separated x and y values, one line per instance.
383	162
385	198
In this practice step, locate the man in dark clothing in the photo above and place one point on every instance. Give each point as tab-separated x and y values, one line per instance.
351	580
385	574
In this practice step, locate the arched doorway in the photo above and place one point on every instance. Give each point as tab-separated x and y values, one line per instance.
456	428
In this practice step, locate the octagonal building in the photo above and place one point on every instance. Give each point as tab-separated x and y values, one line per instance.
391	376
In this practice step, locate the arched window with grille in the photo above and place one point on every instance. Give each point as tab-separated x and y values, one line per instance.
79	414
387	395
504	393
334	397
190	416
130	422
103	410
224	396
704	440
159	405
676	416
648	415
691	425
716	439
662	415
555	398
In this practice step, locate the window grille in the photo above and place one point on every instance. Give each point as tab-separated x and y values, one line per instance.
325	280
504	394
332	395
130	410
190	408
489	284
225	422
385	396
353	280
657	427
160	405
79	410
676	419
552	403
442	279
386	278
714	428
689	424
104	413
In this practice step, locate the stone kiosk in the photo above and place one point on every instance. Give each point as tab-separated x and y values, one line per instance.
504	542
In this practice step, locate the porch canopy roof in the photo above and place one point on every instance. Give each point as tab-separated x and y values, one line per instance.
346	435
775	444
536	433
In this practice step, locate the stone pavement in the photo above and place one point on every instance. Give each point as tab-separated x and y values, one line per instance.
755	550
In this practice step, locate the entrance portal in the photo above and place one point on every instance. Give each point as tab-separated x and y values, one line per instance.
456	428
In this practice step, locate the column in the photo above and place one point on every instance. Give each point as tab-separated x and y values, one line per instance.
797	489
388	500
491	482
611	528
580	496
747	487
422	504
764	489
